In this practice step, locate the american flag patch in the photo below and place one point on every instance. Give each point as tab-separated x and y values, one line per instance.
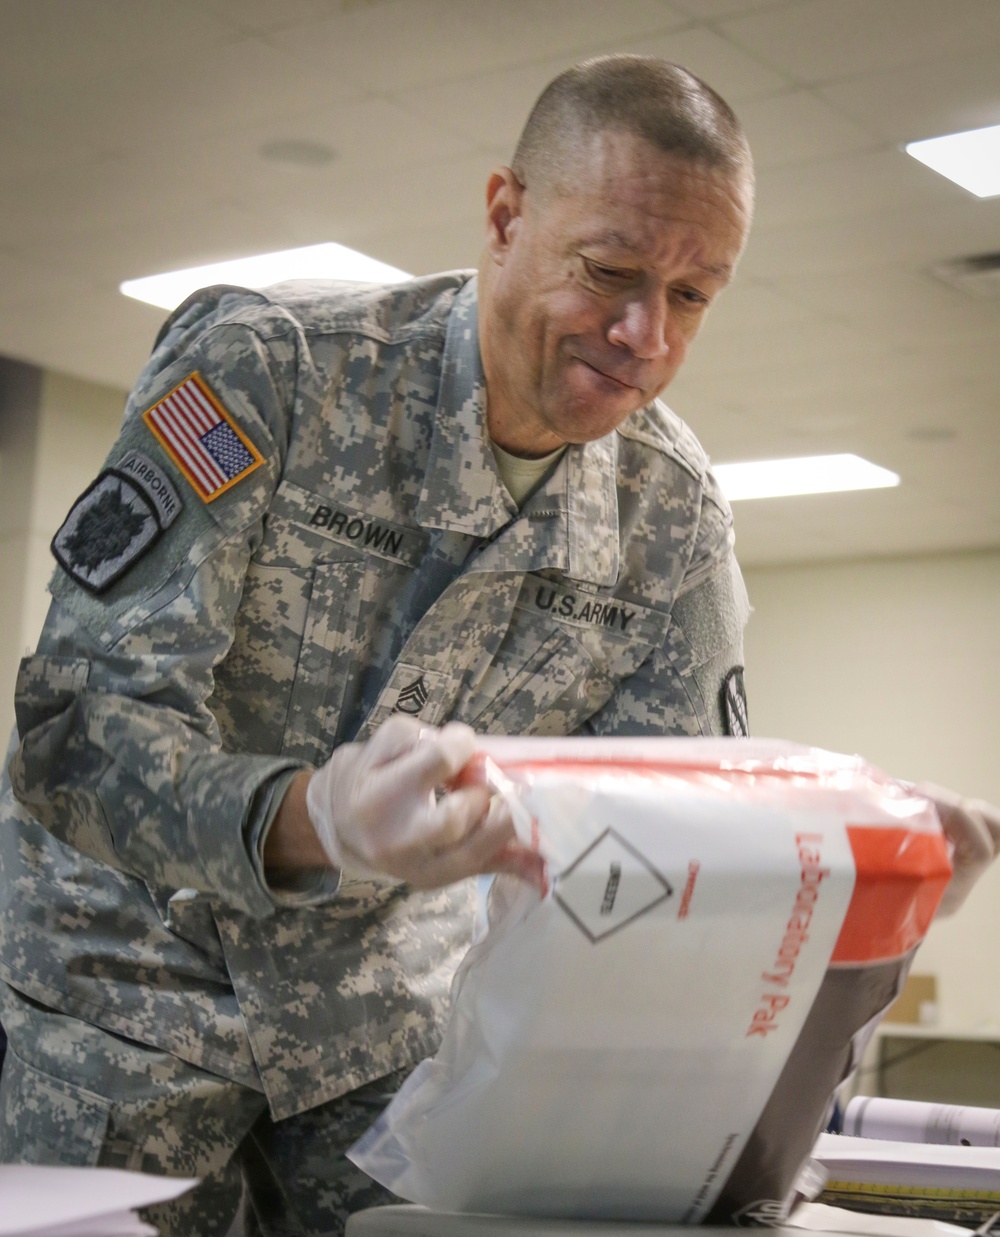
201	438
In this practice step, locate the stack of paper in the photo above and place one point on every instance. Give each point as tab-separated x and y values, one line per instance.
960	1185
80	1202
819	1218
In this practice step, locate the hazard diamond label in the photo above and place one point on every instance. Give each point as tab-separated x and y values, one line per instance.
610	885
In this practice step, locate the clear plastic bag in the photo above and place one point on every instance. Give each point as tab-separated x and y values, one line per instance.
659	1037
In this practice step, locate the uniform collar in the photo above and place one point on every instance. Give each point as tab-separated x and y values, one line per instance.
570	524
462	490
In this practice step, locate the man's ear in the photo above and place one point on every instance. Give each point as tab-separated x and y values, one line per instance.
504	194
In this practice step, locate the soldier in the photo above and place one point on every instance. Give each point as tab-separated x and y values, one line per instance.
344	528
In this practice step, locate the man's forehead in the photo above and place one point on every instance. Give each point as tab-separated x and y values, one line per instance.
614	239
624	165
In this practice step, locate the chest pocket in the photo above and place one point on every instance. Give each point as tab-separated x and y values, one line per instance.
327	663
563	656
294	649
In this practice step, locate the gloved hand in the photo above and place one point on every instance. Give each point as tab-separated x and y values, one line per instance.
382	809
973	828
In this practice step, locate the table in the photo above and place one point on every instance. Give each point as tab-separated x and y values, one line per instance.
410	1221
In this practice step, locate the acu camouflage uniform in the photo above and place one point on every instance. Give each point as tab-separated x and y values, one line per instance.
366	557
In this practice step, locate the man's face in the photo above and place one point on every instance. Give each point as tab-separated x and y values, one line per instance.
591	297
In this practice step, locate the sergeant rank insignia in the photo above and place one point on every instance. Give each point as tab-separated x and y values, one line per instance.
412	697
201	438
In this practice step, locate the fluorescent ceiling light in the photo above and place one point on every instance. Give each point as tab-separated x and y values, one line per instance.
811	474
329	261
970	159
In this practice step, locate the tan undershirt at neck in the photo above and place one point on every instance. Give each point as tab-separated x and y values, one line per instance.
522	477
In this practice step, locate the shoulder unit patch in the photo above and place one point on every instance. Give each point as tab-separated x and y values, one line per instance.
110	526
202	438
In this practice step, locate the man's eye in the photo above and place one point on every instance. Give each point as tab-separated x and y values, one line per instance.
608	274
691	296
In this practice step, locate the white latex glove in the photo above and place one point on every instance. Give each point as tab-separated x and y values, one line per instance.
377	815
973	828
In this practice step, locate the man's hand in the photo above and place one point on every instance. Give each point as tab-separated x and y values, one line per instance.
973	828
384	809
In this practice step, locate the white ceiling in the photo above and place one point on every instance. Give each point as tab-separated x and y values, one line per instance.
132	141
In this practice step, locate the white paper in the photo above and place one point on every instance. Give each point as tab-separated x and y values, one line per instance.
954	1125
879	1161
819	1218
43	1201
119	1224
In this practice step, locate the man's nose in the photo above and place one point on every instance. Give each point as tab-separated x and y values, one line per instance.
643	328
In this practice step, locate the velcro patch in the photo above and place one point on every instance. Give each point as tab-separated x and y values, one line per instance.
583	609
201	438
413	696
154	483
415	690
734	704
110	526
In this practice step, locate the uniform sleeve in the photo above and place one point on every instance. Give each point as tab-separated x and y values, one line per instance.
120	755
693	683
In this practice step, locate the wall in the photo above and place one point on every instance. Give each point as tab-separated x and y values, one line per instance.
54	434
20	392
896	660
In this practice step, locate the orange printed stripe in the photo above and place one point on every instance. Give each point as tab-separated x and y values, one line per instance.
901	875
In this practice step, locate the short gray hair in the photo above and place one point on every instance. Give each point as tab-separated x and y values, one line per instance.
661	102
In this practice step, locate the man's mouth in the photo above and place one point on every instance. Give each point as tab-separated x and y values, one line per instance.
619	378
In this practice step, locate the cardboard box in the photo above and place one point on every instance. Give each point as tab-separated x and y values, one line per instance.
918	991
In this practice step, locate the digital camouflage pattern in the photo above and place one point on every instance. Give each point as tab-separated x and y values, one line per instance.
372	562
157	1114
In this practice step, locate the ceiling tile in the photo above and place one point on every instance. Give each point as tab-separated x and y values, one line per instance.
72	47
917	238
829	40
264	16
169	103
428	195
830	527
709	10
190	211
735	73
819	191
490	108
903	106
394	46
910	304
27	148
437	246
798	127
